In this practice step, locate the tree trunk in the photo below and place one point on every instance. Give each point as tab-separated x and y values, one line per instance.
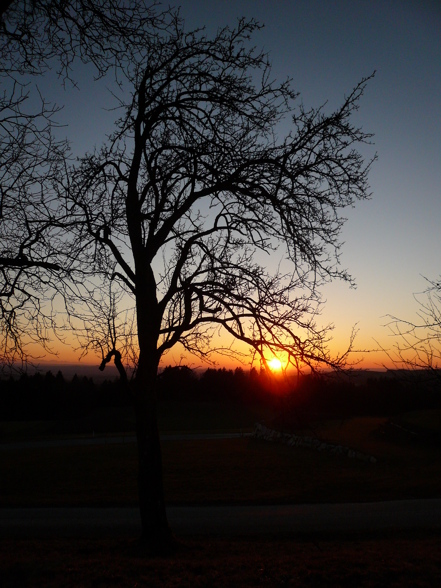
156	533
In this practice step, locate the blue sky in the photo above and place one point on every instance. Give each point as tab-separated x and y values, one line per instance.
326	47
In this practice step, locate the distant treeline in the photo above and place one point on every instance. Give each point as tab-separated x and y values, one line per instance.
48	396
382	395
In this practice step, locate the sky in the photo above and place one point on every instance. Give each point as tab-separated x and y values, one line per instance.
326	47
392	241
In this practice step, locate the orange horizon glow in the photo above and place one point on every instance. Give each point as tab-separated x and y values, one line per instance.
379	363
377	360
229	353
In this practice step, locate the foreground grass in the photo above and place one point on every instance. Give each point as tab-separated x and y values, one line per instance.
220	471
226	471
393	562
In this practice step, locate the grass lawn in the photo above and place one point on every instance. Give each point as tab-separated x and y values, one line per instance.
173	416
243	470
227	471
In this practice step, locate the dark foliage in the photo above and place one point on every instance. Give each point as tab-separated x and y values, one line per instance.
388	395
48	396
239	386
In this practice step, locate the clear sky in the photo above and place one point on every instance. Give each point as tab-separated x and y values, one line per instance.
326	47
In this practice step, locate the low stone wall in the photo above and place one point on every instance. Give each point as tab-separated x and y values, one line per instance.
263	432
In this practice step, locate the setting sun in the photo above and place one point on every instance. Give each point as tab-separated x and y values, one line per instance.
275	364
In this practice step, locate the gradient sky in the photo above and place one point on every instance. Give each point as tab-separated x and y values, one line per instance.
326	47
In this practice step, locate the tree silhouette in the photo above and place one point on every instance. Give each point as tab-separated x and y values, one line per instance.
201	214
418	344
35	37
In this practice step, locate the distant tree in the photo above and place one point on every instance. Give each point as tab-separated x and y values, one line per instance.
418	343
178	220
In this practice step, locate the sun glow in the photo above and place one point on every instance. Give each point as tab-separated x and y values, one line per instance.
275	364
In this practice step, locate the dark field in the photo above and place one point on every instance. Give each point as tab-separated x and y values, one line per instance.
243	470
355	562
231	471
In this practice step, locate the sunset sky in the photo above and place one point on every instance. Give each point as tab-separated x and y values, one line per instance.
326	47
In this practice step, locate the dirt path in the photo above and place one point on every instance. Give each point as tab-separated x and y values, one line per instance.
309	519
115	439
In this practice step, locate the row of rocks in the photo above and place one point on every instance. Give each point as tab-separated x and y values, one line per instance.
263	432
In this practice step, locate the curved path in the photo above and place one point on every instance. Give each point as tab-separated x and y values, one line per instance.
280	520
115	439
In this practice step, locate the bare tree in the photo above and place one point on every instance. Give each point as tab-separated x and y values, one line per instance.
35	37
418	343
30	158
185	209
